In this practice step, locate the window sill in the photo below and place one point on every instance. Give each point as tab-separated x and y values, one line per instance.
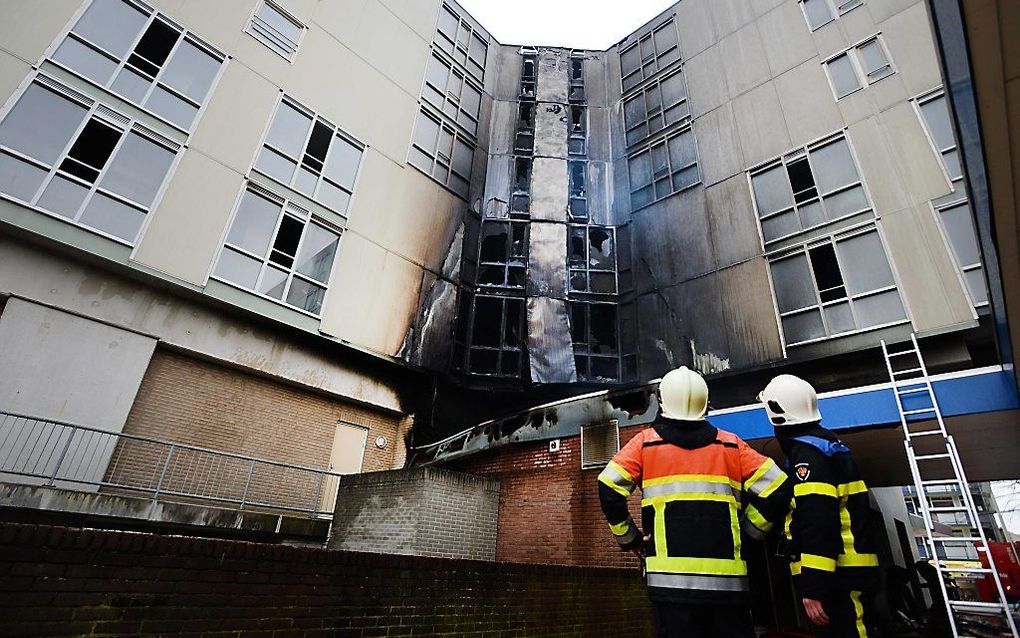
849	334
259	295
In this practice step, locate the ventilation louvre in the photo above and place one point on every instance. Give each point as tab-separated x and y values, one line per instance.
599	443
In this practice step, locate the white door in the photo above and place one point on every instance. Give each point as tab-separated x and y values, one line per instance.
346	457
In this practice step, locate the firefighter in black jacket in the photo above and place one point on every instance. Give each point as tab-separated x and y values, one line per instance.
828	530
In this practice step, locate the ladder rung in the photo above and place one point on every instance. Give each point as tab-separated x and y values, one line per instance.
908	371
973	604
902	352
956	539
918	411
929	457
968	570
913	435
912	390
941	482
954	508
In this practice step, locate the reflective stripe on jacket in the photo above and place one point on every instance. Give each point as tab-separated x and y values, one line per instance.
695	501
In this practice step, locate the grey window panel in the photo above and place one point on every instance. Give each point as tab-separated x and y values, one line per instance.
289	130
317	251
811	214
642	197
113	217
660	161
873	60
342	164
284	27
63	197
131	85
41	124
681	150
191	71
976	284
630	61
275	165
640	170
462	158
333	197
306	181
237	268
673	89
951	160
666	39
478	49
86	60
274	281
254	224
112	24
780	225
818	13
794	287
686	177
844	77
959	225
772	190
839	318
936	116
437	73
833	166
803	327
880	309
138	169
845	5
852	200
634	111
448	23
471	100
863	263
19	178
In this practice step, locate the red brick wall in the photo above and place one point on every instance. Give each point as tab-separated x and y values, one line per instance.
57	581
549	507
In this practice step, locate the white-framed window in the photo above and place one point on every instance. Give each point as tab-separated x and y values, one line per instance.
134	51
442	153
307	153
277	28
591	258
819	13
599	444
278	250
652	53
462	41
662	168
834	286
859	66
657	107
933	109
808	188
957	223
77	159
454	95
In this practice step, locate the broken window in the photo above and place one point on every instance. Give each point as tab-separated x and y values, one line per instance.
578	188
278	250
310	155
591	259
663	168
142	56
859	66
576	93
577	140
524	142
807	189
529	75
277	28
957	223
658	107
652	53
503	254
65	154
594	332
442	153
934	112
466	44
520	198
457	97
837	286
497	336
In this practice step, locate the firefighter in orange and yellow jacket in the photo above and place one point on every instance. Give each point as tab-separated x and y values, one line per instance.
700	487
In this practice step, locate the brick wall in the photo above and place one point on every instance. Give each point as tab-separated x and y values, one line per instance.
548	506
424	511
70	582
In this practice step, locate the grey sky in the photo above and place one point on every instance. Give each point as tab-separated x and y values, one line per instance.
580	24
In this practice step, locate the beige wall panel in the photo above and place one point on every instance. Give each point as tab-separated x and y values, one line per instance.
29	27
916	163
705	84
697	31
719	152
549	189
221	23
183	234
231	127
830	39
857	106
420	15
888	92
908	37
763	132
730	15
808	108
928	277
882	9
748	315
785	37
730	216
877	167
373	296
12	73
761	7
745	63
857	25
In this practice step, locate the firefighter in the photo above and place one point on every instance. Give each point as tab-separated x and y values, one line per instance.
828	534
700	487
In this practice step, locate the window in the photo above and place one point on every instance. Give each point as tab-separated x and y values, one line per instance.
652	53
599	444
77	159
440	152
465	44
503	254
576	93
859	66
835	286
658	107
142	56
525	140
577	140
957	224
520	197
807	189
578	178
497	329
529	75
934	112
456	97
275	27
276	249
591	257
594	330
310	155
821	12
665	167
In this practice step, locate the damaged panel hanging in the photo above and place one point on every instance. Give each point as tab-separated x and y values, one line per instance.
549	342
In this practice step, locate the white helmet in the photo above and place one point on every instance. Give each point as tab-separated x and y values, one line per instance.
790	400
683	395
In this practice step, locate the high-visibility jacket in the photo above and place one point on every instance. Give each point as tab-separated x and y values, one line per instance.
700	486
829	535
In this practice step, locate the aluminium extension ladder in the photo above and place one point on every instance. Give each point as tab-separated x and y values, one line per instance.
917	406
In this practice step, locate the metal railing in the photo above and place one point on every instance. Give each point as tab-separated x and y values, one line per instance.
39	451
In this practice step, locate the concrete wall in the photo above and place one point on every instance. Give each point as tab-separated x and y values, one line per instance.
424	511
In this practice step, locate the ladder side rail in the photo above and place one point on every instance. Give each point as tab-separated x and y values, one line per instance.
899	399
927	383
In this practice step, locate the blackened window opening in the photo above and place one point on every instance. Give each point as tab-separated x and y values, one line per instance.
286	243
154	48
91	151
802	181
827	275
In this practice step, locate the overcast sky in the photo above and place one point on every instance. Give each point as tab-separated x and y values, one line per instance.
1007	497
579	24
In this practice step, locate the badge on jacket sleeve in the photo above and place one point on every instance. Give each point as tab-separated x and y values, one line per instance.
802	470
